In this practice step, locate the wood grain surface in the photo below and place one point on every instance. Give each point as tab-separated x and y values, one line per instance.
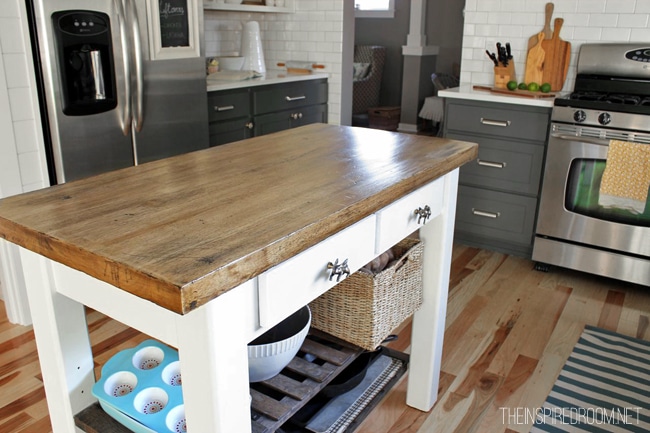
181	231
556	59
535	61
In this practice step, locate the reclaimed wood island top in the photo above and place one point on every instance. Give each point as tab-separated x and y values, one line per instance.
184	230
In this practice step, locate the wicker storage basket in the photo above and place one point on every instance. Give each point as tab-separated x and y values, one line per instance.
364	309
384	118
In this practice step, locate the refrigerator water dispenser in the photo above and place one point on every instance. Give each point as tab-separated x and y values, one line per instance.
84	53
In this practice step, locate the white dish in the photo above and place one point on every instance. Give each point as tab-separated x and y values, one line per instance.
273	350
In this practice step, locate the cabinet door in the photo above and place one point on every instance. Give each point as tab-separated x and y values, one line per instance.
274	122
229	131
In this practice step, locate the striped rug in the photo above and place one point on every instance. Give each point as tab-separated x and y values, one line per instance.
603	387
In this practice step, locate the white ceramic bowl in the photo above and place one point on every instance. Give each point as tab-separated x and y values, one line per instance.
269	353
230	63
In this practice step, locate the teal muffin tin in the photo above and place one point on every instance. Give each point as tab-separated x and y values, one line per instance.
144	384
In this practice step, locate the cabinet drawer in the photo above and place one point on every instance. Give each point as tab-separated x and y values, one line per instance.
225	105
230	130
501	120
274	122
398	220
297	281
491	214
290	96
502	164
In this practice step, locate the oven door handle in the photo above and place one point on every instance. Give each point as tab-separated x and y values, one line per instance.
590	140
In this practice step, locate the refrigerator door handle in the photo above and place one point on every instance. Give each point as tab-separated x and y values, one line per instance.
125	121
138	95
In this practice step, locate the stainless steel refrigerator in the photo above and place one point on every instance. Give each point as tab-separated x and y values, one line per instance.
122	82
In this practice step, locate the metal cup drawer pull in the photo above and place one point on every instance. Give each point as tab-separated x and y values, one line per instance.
492	164
295	116
423	214
338	269
294	98
486	214
224	107
501	123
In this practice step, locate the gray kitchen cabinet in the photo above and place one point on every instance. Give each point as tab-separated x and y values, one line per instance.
253	111
229	114
498	192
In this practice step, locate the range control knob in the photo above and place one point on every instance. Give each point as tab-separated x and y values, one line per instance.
604	118
579	116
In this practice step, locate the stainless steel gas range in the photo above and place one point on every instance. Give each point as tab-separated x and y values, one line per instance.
576	228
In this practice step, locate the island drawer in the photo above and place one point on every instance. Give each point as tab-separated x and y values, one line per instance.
490	119
491	214
503	165
399	219
299	280
225	105
290	96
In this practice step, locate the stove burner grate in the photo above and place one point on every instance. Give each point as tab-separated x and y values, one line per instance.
610	98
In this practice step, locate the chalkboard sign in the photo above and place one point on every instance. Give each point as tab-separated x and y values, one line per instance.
174	23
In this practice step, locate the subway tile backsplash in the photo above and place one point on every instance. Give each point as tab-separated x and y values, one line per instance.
313	33
585	21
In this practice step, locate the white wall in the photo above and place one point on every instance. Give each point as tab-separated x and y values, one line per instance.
22	164
313	33
514	21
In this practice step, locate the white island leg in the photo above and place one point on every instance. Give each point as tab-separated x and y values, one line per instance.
429	320
214	366
63	345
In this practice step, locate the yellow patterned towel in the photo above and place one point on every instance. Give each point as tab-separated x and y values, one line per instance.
627	176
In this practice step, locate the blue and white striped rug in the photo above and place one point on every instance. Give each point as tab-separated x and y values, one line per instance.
603	387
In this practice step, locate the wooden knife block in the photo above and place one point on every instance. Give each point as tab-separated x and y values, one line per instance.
503	74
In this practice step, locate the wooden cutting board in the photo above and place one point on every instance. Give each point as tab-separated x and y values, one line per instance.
516	92
548	33
535	62
557	54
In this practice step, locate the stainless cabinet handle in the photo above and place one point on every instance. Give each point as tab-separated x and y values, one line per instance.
501	123
250	125
423	214
486	213
295	116
338	269
294	98
491	163
224	107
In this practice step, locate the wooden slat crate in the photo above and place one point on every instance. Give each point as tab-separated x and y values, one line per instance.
274	400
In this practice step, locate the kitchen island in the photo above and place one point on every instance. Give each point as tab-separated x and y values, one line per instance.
208	250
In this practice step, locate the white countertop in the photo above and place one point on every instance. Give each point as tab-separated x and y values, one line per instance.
271	77
467	92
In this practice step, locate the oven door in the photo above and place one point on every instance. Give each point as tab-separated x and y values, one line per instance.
569	209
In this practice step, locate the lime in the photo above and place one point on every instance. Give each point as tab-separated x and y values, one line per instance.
533	87
522	86
512	85
545	88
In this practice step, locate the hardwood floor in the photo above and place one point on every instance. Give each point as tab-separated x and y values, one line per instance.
509	332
